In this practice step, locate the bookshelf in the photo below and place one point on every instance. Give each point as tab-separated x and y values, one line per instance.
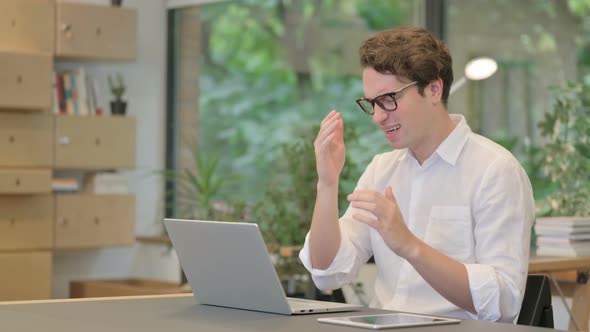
35	222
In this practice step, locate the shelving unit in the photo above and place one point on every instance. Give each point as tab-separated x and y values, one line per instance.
34	222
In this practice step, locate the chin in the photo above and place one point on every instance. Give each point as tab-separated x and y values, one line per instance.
397	145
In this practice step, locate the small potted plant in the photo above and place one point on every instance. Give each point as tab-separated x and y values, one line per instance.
118	105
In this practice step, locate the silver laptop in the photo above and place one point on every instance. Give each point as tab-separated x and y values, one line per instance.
227	264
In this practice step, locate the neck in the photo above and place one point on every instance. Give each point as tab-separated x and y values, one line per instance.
442	128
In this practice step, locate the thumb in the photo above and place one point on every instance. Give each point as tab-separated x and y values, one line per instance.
389	194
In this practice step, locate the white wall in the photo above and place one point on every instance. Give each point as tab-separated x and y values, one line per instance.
146	96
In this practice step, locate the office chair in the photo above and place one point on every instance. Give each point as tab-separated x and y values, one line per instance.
536	307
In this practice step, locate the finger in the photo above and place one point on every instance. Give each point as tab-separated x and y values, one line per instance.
340	128
327	140
329	124
366	220
366	206
364	195
325	132
389	194
329	116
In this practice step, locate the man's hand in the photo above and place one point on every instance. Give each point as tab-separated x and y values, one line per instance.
387	221
329	149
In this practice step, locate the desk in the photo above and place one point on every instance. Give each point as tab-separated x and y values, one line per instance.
579	291
181	313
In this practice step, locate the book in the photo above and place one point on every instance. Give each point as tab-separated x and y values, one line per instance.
64	185
96	96
564	221
563	229
74	93
106	183
83	107
69	103
60	93
561	242
54	92
563	252
91	95
565	236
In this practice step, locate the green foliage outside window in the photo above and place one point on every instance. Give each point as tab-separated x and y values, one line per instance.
567	151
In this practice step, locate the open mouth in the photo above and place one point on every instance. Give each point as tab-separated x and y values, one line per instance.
396	127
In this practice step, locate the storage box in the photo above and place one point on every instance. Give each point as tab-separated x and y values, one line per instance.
26	80
28	25
25	181
26	223
123	287
26	140
93	221
96	31
93	142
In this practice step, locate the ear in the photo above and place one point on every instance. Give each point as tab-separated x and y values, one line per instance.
435	89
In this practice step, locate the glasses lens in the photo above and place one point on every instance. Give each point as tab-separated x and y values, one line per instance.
366	106
388	102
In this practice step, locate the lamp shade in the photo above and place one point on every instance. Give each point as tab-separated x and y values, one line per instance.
480	68
476	69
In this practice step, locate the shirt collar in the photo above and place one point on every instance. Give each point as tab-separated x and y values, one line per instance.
451	147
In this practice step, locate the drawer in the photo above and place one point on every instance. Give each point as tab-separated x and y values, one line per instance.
91	221
25	276
25	181
26	222
95	31
28	25
26	140
25	82
94	142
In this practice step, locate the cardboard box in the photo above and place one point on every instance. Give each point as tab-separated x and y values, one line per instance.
124	287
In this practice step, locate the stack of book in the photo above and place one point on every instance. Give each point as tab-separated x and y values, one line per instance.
563	236
64	185
75	93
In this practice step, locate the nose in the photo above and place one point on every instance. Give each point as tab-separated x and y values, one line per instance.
380	115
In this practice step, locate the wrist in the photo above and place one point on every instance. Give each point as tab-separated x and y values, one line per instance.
415	250
323	186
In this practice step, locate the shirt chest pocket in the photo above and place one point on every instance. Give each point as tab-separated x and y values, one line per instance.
450	232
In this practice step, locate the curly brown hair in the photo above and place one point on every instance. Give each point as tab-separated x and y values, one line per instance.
412	53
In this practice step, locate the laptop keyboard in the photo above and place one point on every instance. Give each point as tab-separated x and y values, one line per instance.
310	304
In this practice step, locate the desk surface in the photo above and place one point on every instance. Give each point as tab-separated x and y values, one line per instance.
181	313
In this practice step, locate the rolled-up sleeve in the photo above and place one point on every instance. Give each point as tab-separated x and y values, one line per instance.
339	273
504	211
355	246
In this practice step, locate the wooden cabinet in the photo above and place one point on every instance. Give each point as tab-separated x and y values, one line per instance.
26	140
90	221
25	181
26	222
95	31
25	275
34	143
94	142
25	81
27	25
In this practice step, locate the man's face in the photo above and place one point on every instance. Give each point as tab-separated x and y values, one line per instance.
407	126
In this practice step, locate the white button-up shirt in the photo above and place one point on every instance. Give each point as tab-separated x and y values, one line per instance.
471	200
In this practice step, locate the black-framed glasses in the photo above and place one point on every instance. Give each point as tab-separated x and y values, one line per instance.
387	101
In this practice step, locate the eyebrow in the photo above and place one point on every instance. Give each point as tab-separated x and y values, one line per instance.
381	94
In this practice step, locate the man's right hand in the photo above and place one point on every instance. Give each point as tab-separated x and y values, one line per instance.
329	149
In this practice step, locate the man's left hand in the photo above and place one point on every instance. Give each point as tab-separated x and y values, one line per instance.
387	221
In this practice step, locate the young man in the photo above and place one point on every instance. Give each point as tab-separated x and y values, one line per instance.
447	215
